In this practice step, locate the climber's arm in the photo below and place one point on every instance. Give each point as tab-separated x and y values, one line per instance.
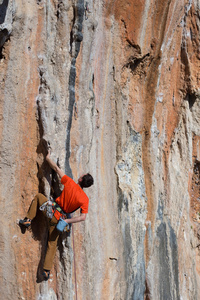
80	218
54	166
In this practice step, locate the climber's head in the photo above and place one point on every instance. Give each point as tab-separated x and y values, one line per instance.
86	181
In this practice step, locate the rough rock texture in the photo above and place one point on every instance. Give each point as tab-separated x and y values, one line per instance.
115	90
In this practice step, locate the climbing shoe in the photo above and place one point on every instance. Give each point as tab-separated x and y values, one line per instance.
25	222
46	274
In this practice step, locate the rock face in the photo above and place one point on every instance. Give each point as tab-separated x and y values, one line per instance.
114	87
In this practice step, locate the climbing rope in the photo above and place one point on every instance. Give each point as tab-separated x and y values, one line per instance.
74	262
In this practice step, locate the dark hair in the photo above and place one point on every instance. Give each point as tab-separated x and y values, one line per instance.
87	181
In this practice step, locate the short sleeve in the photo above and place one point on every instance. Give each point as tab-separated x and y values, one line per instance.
84	206
64	179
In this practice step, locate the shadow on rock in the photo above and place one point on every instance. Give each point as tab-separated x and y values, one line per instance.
3	9
39	227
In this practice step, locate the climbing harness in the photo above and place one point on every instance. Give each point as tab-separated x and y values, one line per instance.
53	209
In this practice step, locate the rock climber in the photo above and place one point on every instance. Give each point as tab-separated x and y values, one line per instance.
72	198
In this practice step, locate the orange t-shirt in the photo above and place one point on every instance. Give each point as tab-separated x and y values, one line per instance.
72	197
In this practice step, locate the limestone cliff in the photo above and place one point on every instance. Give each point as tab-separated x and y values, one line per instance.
113	86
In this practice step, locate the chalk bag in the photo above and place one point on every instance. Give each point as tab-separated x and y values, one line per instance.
61	225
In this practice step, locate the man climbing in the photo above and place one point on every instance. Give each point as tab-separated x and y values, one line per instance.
72	198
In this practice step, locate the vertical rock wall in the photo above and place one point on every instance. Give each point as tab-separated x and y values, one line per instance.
113	86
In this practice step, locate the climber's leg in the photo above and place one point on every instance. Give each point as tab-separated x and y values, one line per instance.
52	245
37	202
